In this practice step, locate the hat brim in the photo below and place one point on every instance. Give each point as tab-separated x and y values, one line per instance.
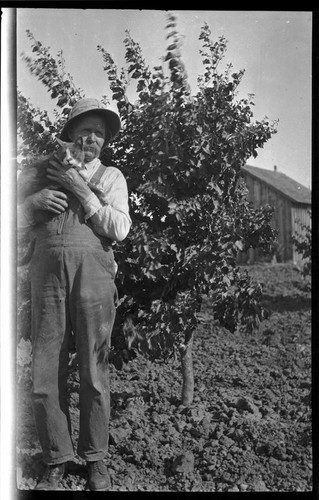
112	122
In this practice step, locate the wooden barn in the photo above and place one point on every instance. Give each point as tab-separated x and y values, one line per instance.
291	202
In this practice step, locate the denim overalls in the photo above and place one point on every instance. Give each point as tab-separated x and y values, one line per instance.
73	290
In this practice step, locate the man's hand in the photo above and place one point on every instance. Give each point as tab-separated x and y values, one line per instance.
69	178
47	199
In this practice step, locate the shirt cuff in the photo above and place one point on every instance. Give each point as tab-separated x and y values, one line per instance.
91	205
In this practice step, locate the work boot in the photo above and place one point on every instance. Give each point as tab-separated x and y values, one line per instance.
51	477
99	479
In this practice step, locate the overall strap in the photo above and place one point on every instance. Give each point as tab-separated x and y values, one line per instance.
97	176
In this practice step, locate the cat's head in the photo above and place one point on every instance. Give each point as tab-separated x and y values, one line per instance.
72	152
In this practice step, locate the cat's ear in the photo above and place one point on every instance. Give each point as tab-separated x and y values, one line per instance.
81	142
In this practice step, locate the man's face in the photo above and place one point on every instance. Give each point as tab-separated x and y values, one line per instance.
91	128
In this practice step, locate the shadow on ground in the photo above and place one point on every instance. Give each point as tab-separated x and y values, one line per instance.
284	303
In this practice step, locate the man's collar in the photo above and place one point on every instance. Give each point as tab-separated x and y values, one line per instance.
92	164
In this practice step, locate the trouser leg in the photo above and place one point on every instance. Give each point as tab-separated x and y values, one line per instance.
92	311
50	330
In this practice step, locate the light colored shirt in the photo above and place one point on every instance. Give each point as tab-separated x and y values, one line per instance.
109	205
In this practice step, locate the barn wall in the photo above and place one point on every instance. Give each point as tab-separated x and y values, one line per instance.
299	216
285	213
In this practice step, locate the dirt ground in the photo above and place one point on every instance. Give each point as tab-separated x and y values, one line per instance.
248	429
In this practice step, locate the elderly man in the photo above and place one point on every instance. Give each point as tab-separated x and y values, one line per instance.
73	290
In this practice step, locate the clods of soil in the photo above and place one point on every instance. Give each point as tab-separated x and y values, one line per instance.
249	428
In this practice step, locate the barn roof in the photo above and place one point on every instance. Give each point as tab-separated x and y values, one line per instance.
281	182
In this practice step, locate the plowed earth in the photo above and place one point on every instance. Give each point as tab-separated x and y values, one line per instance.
248	429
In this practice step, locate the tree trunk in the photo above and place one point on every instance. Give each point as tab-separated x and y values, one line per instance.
187	372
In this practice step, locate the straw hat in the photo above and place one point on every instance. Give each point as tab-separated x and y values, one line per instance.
87	105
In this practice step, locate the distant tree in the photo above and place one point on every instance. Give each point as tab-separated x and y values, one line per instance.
302	241
182	156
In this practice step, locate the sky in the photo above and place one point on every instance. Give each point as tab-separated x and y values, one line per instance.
273	47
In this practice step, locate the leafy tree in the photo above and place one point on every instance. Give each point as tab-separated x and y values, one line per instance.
303	244
182	156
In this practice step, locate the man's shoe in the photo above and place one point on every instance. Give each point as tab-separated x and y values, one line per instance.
99	479
51	477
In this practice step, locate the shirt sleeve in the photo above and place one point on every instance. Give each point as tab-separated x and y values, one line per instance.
108	210
24	218
24	215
